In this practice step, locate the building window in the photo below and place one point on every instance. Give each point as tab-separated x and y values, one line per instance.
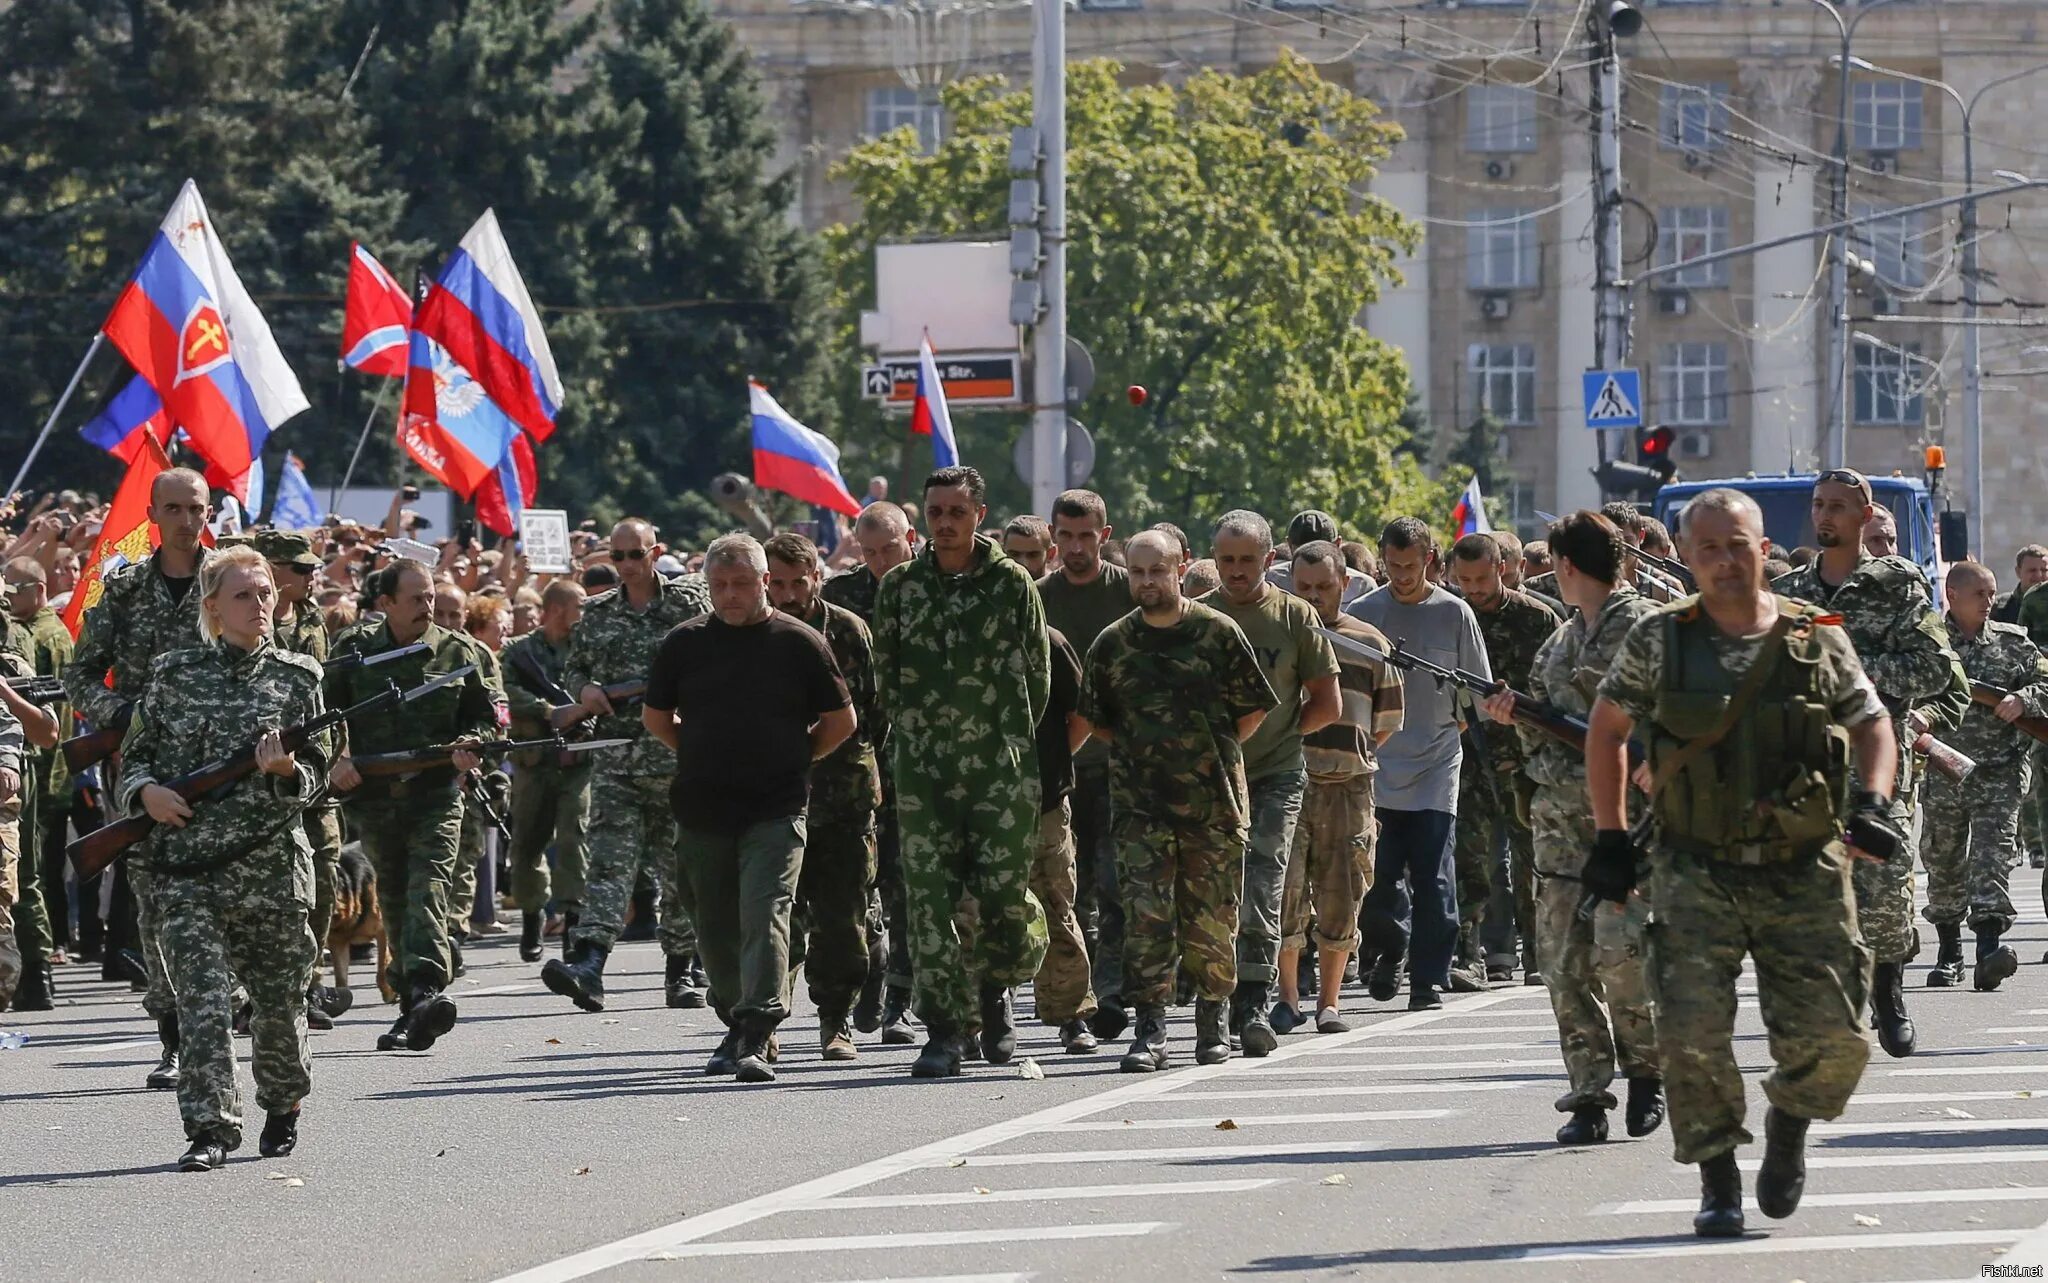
1687	232
1501	251
1693	117
1504	381
1885	115
1897	247
1500	118
894	106
1692	384
1887	387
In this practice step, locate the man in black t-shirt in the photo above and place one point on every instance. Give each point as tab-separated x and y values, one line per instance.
748	699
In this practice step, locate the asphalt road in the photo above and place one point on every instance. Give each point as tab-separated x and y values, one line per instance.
540	1144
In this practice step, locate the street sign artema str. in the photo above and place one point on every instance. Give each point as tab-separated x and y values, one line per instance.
970	379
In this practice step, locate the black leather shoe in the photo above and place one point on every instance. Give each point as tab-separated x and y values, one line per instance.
165	1076
394	1039
432	1016
316	1018
1720	1214
1384	982
940	1058
1994	967
280	1134
754	1065
1109	1022
530	925
1948	958
998	1024
726	1058
1076	1038
1586	1126
579	977
1782	1178
1645	1105
1424	998
203	1156
1255	1032
1148	1049
336	1002
896	1030
678	988
1212	1036
1895	1031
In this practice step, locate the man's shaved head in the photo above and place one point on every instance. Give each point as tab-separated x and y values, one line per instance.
637	525
176	478
1152	540
883	519
1722	499
1971	572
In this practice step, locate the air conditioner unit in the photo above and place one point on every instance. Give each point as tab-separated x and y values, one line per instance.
1496	307
1698	160
1674	302
1695	445
1884	162
1500	170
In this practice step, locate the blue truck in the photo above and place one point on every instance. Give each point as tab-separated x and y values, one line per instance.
1786	499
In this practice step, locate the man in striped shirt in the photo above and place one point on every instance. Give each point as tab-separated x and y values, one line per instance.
1330	865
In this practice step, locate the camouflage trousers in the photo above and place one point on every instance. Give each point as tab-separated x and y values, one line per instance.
1594	970
32	929
1330	867
411	840
1180	892
962	838
323	834
1062	988
550	805
1884	888
832	903
245	921
632	828
1474	839
469	850
741	885
159	999
1276	812
1969	845
1797	921
10	895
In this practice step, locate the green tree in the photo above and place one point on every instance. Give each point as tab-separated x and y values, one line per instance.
1221	247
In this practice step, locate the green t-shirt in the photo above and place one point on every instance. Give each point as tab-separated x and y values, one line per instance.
1282	631
1080	612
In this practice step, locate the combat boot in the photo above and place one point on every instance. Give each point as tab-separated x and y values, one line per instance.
1148	1050
203	1155
1109	1021
998	1024
1720	1214
941	1056
530	924
1212	1039
1076	1038
280	1134
725	1058
396	1038
165	1076
835	1037
1995	962
1888	1010
38	990
896	1030
1645	1105
1254	1028
1782	1177
335	1002
756	1060
569	921
1948	958
580	977
432	1016
316	1015
1586	1126
1468	972
682	994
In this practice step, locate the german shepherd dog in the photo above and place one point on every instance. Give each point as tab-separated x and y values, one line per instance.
358	918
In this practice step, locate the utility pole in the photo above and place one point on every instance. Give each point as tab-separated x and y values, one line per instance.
1049	336
1611	314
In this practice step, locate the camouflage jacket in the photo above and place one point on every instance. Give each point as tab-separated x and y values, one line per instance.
209	702
2032	615
2001	655
305	633
854	590
132	623
963	668
529	706
1899	639
847	784
1514	630
470	708
1171	699
616	643
15	754
1566	675
53	650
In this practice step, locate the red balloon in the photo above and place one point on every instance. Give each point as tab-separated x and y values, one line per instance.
1137	394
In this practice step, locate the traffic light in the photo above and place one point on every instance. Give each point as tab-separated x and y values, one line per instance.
1653	450
1640	481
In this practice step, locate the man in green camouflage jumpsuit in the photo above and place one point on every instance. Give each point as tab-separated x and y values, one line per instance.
1888	611
47	803
962	672
1971	838
550	791
1174	690
410	826
1752	708
1494	786
839	844
632	826
144	609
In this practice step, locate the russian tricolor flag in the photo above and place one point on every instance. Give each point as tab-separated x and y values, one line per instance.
191	331
928	413
119	428
793	459
478	309
377	319
1469	517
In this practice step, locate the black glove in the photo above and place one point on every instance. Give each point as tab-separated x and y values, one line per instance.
1870	827
1610	870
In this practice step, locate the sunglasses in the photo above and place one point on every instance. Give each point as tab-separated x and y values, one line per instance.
1841	477
629	554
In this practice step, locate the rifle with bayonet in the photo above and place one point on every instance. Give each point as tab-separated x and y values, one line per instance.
1677	570
81	751
101	847
1992	696
524	667
414	760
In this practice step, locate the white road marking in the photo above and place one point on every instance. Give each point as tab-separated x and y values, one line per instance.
1171	1154
1534	1026
1050	1194
1931	1125
1996	1194
524	986
1022	1277
1964	1158
1752	1246
2017	1029
1254	1120
1937	1097
1374	1089
1410	1049
1319	1068
1963	1071
926	1238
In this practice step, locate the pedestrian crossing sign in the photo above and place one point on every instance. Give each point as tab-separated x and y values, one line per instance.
1614	398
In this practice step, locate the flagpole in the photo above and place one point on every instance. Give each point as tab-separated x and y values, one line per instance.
57	411
334	496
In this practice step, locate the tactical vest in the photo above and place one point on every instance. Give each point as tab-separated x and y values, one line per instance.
1774	788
